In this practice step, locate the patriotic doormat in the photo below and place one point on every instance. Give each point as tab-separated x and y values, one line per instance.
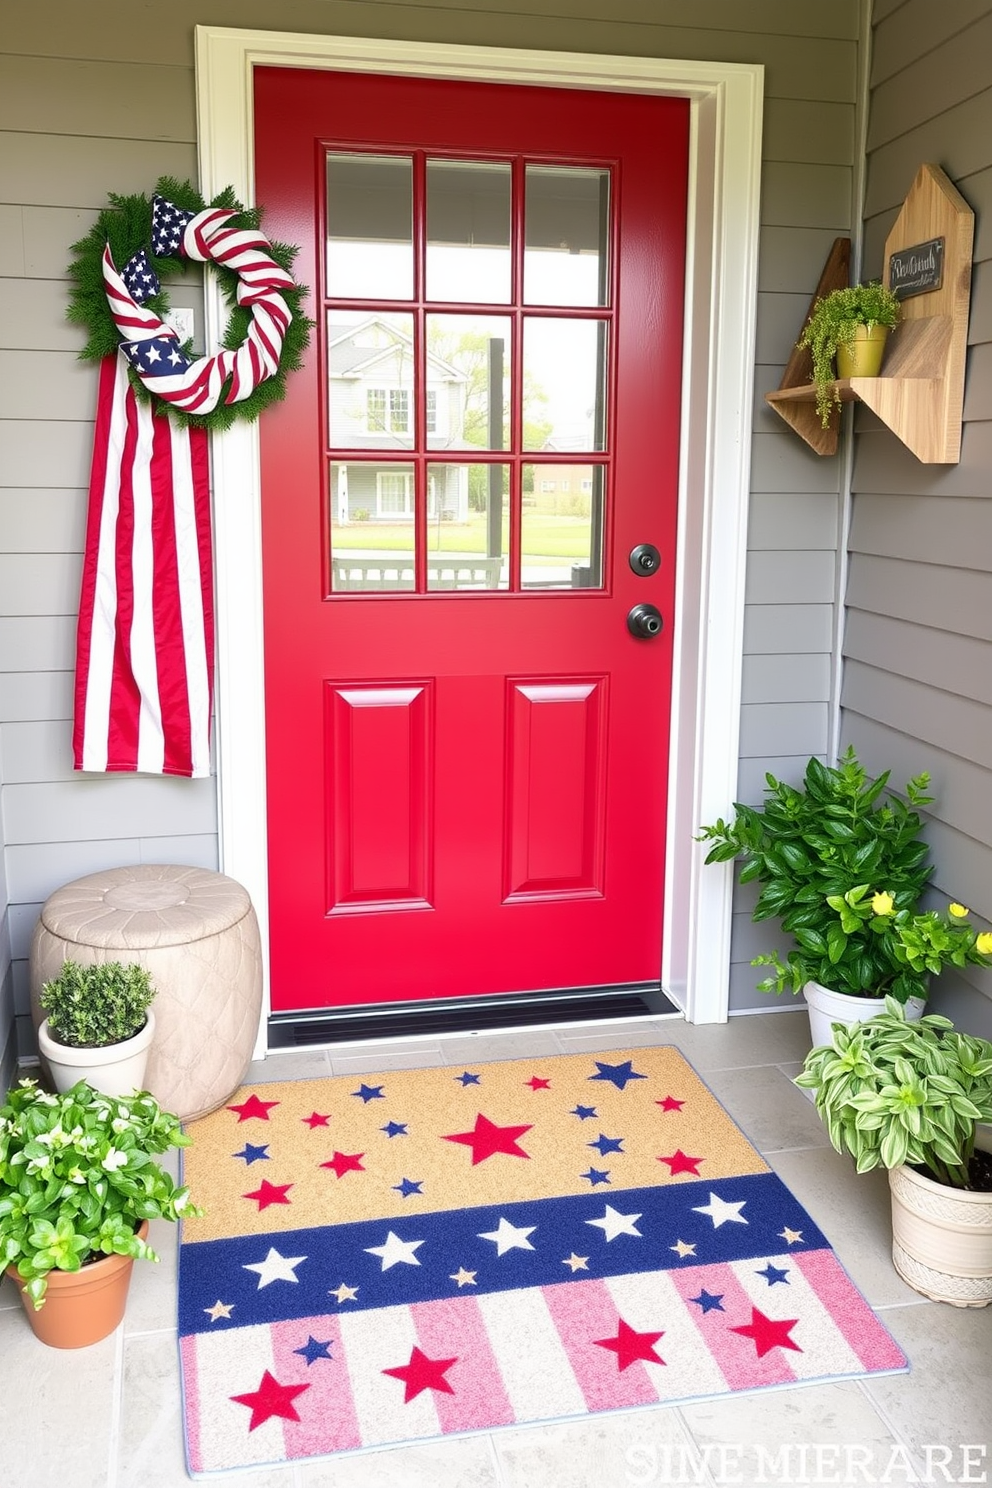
395	1257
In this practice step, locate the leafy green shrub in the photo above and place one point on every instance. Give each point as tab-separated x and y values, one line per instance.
89	1007
831	841
77	1179
893	1092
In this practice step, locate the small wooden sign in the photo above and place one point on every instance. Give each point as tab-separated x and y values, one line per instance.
917	270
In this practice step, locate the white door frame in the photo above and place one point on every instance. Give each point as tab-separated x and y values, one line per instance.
718	372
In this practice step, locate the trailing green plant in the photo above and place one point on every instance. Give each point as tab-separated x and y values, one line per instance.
892	1092
77	1178
833	322
841	833
90	1007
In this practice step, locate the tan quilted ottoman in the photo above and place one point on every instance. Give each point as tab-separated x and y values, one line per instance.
197	935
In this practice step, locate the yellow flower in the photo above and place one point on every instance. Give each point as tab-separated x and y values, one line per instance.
883	904
984	943
958	911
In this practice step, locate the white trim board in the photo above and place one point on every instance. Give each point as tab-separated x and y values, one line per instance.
718	371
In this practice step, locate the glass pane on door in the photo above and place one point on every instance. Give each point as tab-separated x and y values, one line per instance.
468	231
467	527
564	384
372	526
561	526
370	379
369	227
566	252
468	381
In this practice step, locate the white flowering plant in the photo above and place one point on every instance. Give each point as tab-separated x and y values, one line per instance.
78	1178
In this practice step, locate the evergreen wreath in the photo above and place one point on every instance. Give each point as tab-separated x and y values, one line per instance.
126	227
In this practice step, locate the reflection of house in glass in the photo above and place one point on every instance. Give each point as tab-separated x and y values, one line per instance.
371	395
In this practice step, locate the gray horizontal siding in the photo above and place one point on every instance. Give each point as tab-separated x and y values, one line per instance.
947	74
907	29
804	61
944	659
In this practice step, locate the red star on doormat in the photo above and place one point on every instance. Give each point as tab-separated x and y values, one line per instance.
315	1119
486	1138
629	1345
345	1162
768	1333
670	1103
536	1083
270	1399
269	1193
423	1374
679	1162
253	1107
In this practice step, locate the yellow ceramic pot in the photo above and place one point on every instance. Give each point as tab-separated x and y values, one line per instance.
862	357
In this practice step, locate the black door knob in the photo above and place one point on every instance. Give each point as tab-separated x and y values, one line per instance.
645	621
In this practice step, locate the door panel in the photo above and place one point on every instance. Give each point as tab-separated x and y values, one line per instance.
466	745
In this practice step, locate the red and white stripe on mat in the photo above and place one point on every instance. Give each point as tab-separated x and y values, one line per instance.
398	1374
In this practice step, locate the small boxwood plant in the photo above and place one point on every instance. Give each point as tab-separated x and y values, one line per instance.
90	1007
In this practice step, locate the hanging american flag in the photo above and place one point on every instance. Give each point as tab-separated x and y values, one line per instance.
145	640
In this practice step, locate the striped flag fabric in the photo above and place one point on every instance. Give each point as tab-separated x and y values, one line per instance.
407	1255
145	636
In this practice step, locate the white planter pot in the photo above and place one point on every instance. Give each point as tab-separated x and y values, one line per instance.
116	1069
942	1237
827	1007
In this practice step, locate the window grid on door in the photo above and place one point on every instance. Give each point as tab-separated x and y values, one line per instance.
425	411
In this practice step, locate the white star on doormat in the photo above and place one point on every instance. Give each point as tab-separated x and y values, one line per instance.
509	1237
275	1267
613	1224
395	1251
721	1212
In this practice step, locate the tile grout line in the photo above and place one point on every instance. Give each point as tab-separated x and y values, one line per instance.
116	1410
890	1426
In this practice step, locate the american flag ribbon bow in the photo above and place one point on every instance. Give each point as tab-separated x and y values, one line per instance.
145	638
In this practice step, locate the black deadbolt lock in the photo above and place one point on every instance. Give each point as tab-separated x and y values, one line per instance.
645	559
645	621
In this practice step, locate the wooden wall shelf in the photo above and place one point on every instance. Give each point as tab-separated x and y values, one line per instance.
920	391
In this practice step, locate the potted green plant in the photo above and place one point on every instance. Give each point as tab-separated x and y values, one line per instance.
842	833
99	1026
837	323
909	1097
78	1185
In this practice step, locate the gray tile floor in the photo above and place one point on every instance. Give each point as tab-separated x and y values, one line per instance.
108	1416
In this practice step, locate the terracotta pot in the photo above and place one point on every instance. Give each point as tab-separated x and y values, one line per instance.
862	357
81	1307
942	1237
827	1007
116	1069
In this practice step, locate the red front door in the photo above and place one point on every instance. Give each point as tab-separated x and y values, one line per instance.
467	745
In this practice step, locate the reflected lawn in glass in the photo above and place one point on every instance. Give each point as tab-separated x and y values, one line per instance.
467	526
370	504
564	500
